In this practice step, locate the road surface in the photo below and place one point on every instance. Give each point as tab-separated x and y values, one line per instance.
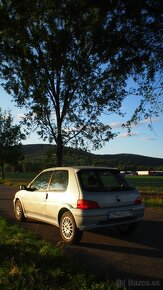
135	261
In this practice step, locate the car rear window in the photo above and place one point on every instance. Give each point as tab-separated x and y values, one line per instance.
102	180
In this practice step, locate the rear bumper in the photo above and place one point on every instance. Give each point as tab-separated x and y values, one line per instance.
90	219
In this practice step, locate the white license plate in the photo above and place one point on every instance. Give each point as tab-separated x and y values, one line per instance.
120	214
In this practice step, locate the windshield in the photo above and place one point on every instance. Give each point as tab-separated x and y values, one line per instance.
102	180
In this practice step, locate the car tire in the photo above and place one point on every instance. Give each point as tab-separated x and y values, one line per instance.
68	230
127	229
19	214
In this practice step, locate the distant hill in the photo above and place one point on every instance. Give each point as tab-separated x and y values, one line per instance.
46	154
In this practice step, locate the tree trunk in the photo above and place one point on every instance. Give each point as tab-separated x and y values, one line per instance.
59	151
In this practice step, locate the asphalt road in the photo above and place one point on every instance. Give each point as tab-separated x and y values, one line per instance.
135	261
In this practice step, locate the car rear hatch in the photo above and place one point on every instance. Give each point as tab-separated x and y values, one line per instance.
105	188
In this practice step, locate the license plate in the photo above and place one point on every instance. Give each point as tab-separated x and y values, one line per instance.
120	214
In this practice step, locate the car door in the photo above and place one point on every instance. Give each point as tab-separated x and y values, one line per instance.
36	196
56	195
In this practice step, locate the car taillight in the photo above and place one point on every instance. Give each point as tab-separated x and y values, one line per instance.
138	200
87	204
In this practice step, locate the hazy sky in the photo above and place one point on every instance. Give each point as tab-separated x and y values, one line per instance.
142	141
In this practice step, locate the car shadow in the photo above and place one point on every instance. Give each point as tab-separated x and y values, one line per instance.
145	242
148	234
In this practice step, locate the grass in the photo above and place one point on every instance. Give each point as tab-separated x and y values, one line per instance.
29	263
17	178
153	202
148	184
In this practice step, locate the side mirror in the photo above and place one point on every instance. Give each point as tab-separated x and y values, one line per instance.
23	187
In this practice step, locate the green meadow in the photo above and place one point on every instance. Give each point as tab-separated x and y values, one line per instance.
147	184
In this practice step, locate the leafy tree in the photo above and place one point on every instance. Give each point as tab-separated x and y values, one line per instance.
10	135
68	62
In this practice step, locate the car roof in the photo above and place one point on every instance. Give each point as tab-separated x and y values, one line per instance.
77	168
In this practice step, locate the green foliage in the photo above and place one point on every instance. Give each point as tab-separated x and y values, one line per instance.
68	62
40	156
10	136
29	263
40	153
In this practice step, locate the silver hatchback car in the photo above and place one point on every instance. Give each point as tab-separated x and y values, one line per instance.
80	198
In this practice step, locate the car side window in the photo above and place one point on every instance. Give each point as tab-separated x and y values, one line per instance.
41	182
59	181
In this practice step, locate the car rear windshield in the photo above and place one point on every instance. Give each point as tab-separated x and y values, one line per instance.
102	180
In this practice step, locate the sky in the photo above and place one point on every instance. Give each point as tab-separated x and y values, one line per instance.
142	141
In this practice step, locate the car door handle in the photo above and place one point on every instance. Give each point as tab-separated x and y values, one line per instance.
46	195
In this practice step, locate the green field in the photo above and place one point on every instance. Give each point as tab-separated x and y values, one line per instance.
148	184
17	178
